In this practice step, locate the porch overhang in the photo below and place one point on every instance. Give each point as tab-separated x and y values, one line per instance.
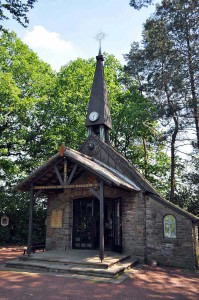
61	171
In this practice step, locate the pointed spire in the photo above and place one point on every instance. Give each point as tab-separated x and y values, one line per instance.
98	113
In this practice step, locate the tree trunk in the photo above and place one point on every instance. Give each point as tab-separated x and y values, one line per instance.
145	157
173	141
194	105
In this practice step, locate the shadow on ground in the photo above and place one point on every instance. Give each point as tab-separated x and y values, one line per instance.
149	283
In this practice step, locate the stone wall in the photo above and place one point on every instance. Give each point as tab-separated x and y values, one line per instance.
142	228
196	235
179	251
61	238
133	225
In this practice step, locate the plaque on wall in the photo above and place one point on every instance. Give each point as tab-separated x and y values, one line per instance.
56	218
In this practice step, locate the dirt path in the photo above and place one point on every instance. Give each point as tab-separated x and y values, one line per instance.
7	253
149	283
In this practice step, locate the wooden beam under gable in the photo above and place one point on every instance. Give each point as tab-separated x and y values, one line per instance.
67	186
58	175
47	170
72	174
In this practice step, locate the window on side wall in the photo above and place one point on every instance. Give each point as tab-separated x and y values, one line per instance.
169	226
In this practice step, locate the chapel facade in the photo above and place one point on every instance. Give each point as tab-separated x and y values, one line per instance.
98	200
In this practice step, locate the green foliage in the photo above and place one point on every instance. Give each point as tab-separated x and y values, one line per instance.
166	66
134	117
26	85
17	9
4	235
72	93
41	110
16	207
187	193
138	4
25	92
136	134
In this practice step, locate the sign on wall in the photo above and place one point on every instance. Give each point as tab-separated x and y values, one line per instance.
4	221
56	218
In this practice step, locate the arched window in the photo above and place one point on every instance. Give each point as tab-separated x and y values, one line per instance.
169	226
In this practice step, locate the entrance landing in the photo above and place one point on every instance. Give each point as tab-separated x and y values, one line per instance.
81	262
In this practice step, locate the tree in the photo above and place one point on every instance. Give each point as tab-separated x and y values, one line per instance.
26	85
41	110
141	65
177	22
138	4
188	193
166	67
16	207
17	9
182	19
133	116
135	132
72	93
73	86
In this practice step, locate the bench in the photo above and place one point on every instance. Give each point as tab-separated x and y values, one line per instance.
34	247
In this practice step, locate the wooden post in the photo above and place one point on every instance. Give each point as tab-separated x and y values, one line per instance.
30	221
101	250
100	196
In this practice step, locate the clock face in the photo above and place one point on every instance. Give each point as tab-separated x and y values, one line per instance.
93	116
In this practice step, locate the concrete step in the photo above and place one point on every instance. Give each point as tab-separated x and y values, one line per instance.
80	269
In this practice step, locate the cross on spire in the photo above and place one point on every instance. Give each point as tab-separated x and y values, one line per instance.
99	37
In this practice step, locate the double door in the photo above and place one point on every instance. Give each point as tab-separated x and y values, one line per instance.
86	224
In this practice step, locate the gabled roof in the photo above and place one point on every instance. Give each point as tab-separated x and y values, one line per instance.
128	169
102	171
174	207
46	175
133	174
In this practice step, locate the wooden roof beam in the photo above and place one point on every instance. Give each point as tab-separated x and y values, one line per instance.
72	174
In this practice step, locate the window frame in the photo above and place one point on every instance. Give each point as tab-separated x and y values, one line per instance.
166	236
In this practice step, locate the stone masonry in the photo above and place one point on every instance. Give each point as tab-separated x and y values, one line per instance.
179	251
61	238
142	228
133	225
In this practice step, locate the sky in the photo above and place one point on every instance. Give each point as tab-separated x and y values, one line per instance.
63	30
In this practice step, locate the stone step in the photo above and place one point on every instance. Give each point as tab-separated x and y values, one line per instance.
107	263
58	267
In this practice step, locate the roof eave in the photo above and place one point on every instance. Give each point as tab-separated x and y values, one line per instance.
173	206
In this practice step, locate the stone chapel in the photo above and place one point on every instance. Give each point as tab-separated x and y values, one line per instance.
98	200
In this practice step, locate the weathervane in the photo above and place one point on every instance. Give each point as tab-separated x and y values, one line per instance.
99	37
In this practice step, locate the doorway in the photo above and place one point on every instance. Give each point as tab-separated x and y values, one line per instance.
86	221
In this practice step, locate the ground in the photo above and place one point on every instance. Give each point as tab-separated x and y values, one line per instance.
148	283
